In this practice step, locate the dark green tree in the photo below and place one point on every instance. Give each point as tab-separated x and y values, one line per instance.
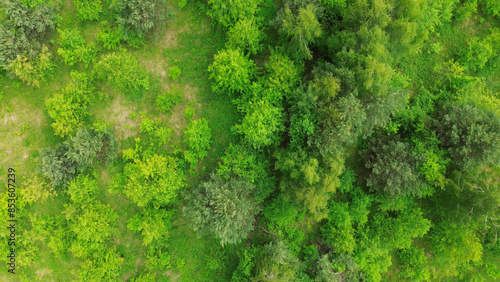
471	135
392	169
222	208
137	18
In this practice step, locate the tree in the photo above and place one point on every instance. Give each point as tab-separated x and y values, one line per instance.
262	123
153	224
393	169
24	30
249	165
414	264
276	262
61	164
197	136
88	9
33	72
136	18
453	244
222	208
36	190
246	36
309	178
338	232
92	224
103	266
301	29
471	135
82	189
123	71
337	268
231	71
74	49
282	75
229	12
69	109
154	181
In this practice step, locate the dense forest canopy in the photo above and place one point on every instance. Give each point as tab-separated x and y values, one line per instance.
259	140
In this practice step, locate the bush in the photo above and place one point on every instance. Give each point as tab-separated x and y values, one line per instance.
69	109
136	18
197	136
153	181
33	72
24	30
88	9
174	72
232	72
109	37
60	165
123	71
74	49
224	209
167	101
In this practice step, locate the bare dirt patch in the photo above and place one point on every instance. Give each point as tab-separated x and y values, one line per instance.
118	114
42	272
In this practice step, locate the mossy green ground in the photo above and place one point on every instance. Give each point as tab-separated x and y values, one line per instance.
188	42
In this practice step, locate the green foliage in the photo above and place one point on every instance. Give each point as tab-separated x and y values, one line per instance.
24	29
371	256
338	232
262	124
246	36
123	71
340	268
454	244
249	165
276	261
82	189
33	72
393	169
92	224
88	9
311	179
243	272
492	7
153	180
301	29
282	75
61	164
69	109
167	101
74	49
414	265
109	37
36	190
137	18
480	51
399	228
222	208
471	135
153	224
104	266
231	71
174	72
228	12
197	137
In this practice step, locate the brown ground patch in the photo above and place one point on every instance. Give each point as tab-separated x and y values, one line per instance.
42	272
118	114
